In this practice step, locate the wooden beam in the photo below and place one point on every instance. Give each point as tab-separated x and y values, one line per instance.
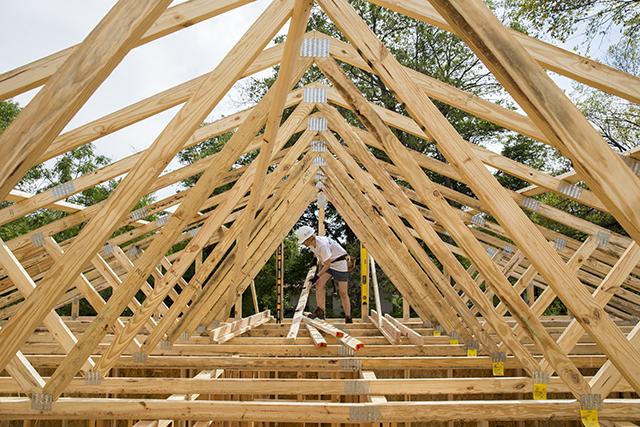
369	387
602	295
547	297
389	330
316	336
365	182
302	303
275	221
128	192
173	19
502	163
211	225
214	295
25	375
427	233
53	107
25	286
544	102
412	336
373	231
553	58
485	186
231	330
497	410
187	395
88	291
254	297
608	375
328	362
221	212
298	24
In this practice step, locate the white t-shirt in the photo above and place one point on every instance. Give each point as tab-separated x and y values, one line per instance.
327	248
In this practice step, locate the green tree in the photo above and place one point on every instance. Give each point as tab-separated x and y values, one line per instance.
8	112
563	18
617	119
531	153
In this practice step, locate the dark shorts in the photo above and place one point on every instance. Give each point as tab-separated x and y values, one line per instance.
339	276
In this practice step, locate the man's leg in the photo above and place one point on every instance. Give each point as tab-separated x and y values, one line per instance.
320	290
343	290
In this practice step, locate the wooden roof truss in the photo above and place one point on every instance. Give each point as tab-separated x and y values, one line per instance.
598	280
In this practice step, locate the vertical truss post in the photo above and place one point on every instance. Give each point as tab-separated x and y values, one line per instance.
322	205
280	283
364	282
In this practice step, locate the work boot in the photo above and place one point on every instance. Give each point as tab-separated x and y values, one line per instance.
348	319
318	314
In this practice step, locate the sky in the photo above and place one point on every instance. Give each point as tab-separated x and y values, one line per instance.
31	29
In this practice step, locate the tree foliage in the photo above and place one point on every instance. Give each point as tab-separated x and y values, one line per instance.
563	18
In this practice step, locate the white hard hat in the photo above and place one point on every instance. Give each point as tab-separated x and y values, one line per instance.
304	232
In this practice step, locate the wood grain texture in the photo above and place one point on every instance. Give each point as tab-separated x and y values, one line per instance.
86	68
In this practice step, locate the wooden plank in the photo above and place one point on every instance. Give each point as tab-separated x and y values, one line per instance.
220	214
387	328
396	261
223	247
173	19
324	326
485	186
179	267
132	187
214	296
325	363
562	61
365	181
608	375
280	88
53	107
114	281
302	303
25	286
88	291
361	106
500	162
412	336
275	222
155	104
547	297
231	330
427	233
316	336
431	297
602	295
546	104
18	195
111	171
344	338
497	410
24	374
263	246
204	375
254	297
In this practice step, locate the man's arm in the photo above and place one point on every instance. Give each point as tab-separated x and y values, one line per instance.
325	266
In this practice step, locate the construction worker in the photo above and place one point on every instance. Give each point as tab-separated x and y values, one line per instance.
332	263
